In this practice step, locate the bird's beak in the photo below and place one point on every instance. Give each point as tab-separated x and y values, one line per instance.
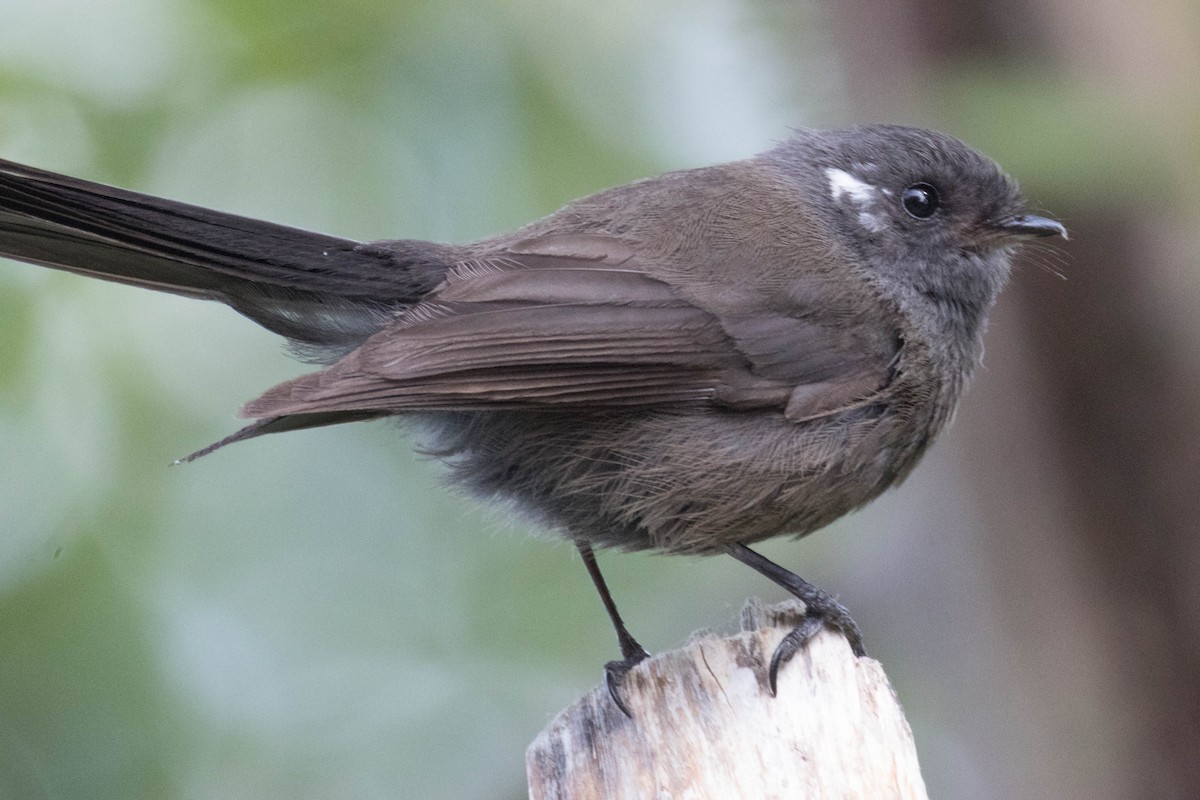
1031	225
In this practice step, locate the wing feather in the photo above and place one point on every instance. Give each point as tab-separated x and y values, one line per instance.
573	324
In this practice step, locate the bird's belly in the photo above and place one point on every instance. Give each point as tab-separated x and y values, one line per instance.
686	481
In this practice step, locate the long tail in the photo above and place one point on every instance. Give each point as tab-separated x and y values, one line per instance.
324	293
318	290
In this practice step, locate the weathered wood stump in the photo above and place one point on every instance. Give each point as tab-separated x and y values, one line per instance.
705	725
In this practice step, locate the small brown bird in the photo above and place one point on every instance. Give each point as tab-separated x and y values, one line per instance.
690	363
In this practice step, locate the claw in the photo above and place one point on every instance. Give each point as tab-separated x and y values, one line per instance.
790	645
614	677
820	610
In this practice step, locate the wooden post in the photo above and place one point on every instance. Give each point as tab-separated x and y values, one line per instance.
706	726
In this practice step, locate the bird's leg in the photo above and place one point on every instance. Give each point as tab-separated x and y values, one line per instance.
819	609
632	653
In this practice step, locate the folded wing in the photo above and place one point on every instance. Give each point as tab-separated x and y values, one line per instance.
576	323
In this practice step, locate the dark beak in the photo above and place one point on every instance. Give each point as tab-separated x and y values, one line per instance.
1030	225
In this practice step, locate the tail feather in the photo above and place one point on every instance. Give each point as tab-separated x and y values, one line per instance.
316	289
324	293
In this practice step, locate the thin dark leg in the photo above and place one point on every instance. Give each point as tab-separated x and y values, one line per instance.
632	653
819	609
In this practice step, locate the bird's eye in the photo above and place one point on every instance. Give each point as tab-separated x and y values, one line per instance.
920	200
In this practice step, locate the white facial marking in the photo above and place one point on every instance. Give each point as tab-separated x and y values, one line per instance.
844	185
871	222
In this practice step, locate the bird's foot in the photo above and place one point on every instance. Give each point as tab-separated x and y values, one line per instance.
615	672
820	610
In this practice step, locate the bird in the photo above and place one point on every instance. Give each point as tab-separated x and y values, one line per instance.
688	364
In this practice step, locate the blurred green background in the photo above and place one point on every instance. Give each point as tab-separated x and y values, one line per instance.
311	616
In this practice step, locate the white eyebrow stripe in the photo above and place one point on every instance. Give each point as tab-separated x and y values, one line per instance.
842	183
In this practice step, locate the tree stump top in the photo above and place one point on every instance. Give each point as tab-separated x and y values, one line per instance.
705	725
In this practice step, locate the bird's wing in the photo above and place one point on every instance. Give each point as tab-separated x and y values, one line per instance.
576	321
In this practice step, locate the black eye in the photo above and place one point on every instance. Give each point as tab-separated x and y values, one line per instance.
920	200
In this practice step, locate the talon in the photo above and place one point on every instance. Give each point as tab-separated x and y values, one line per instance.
820	609
790	645
614	676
